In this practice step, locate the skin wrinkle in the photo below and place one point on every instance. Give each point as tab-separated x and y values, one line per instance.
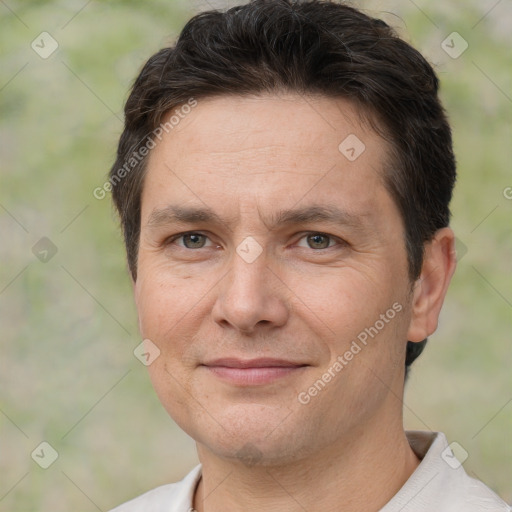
329	214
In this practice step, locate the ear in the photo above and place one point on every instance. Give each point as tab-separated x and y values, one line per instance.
429	291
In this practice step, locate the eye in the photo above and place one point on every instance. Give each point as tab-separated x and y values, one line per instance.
317	241
191	240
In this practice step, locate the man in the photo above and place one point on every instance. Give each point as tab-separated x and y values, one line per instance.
283	182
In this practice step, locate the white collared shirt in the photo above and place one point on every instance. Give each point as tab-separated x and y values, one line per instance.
439	484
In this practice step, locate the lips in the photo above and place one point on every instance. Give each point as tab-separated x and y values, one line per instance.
252	372
253	363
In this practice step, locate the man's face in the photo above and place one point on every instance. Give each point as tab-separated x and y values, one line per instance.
266	293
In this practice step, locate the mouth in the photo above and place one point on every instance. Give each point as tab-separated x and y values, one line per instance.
252	372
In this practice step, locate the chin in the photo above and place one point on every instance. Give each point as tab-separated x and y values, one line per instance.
252	436
255	452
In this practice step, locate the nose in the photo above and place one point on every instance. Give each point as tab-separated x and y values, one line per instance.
250	297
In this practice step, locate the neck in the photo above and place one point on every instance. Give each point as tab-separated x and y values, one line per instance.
362	471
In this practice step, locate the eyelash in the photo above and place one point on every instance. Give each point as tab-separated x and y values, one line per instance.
339	241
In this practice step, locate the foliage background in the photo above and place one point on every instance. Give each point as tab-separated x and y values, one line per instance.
68	326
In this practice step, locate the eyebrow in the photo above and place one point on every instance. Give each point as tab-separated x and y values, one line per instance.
308	214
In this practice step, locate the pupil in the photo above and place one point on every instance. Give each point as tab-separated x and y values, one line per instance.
195	240
317	239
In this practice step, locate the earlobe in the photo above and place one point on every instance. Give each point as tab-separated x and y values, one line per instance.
430	289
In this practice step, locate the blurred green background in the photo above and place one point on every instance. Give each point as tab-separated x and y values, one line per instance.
68	375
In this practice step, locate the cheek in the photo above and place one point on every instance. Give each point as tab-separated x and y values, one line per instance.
157	306
364	316
166	314
171	311
345	299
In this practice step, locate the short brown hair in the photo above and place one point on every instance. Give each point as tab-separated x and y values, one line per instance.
309	47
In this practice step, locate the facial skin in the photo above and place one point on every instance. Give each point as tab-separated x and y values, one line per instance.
316	285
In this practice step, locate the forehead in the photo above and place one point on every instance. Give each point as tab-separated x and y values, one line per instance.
234	123
266	149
